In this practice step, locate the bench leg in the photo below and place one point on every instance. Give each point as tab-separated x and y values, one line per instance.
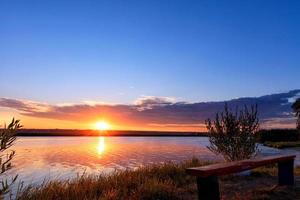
286	173
208	188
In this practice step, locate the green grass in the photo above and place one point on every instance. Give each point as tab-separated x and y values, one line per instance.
163	182
281	145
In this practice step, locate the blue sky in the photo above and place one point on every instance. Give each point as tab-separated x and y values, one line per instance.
117	51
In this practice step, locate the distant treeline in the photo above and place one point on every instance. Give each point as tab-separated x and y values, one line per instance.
272	135
278	135
75	132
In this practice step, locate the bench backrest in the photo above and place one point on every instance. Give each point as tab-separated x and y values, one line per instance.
238	166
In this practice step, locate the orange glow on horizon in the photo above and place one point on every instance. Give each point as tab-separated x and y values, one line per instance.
95	123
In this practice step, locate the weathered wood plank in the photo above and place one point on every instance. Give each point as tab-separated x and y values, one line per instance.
233	167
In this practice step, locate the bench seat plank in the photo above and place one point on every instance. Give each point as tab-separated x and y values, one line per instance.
238	166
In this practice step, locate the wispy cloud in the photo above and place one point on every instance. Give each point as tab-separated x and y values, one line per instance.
24	105
284	122
150	102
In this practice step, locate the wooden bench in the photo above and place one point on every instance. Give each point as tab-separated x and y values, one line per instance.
207	176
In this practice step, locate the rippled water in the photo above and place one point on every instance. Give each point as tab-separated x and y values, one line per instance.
40	158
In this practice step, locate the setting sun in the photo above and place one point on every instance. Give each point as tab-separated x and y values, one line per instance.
102	126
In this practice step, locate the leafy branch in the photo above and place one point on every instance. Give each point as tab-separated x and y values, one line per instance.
7	139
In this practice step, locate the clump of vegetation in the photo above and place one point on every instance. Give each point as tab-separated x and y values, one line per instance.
233	135
7	139
278	135
296	109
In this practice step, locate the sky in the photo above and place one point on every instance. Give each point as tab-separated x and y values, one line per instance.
119	52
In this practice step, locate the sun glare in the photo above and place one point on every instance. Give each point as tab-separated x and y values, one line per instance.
101	145
102	126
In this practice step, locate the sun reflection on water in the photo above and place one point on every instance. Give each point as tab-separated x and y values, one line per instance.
101	145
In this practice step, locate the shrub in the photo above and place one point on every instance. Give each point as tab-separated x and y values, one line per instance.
233	134
7	139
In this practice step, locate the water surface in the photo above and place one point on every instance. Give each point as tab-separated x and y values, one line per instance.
40	158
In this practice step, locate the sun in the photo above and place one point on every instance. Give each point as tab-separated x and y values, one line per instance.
102	126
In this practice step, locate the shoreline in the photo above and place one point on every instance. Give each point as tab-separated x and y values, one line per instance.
161	181
118	133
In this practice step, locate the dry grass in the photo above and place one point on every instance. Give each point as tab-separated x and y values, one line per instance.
260	185
167	181
163	182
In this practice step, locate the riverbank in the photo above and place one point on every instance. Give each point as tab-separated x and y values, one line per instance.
282	145
279	138
164	182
